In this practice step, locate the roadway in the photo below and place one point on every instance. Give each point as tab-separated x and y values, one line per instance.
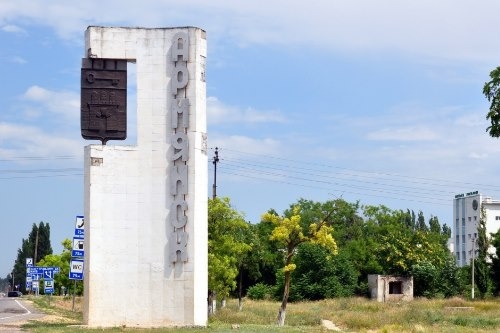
14	312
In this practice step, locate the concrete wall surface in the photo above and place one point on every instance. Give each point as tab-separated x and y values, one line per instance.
146	204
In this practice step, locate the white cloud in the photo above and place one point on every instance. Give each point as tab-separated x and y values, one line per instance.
22	140
13	29
62	103
407	133
17	60
220	113
266	146
446	29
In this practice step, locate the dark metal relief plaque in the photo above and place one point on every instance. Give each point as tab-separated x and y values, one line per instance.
103	99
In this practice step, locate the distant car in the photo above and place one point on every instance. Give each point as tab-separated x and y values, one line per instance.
14	294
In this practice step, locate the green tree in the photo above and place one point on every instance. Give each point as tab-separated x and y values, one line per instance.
319	275
482	276
495	261
492	92
421	222
300	224
226	245
36	246
434	225
62	261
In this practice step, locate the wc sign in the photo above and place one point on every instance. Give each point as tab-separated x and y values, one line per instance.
76	269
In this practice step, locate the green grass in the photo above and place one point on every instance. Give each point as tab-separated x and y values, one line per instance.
350	314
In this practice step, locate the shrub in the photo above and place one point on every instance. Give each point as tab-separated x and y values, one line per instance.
260	291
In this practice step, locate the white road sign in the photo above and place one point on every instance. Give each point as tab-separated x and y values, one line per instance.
76	269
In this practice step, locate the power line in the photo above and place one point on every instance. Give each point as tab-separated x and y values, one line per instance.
358	182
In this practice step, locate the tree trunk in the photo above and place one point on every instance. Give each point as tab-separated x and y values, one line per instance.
286	292
240	300
212	303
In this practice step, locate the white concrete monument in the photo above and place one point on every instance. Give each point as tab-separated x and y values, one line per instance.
146	205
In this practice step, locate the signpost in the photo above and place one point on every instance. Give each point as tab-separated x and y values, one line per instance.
77	253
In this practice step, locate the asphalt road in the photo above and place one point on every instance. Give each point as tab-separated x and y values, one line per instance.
15	312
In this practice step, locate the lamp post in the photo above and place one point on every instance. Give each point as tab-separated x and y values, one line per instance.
13	281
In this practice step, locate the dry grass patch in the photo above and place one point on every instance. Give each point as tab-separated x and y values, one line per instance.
350	314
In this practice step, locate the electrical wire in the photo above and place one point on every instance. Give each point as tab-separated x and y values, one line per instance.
327	177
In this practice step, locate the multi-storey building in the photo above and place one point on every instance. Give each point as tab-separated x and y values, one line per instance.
466	215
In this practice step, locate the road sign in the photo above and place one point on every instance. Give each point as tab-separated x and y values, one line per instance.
36	277
48	286
76	269
40	271
78	250
35	285
48	274
79	227
29	262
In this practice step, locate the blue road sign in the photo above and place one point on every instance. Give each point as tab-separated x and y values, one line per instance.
78	250
48	275
36	277
42	272
79	227
76	269
48	286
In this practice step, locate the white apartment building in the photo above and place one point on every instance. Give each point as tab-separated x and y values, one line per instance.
466	215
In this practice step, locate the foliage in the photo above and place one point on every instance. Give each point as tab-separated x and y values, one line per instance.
492	92
62	261
294	229
425	279
226	245
261	291
36	246
319	275
495	262
482	276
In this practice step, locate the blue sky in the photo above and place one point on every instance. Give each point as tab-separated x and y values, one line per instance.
376	101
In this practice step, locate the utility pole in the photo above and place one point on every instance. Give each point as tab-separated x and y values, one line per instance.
36	244
215	161
473	250
13	281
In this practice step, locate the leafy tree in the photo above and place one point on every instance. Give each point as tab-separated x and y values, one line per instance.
266	252
62	261
294	229
319	275
495	261
482	269
434	225
492	92
421	222
38	242
4	283
451	279
425	279
226	245
398	247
